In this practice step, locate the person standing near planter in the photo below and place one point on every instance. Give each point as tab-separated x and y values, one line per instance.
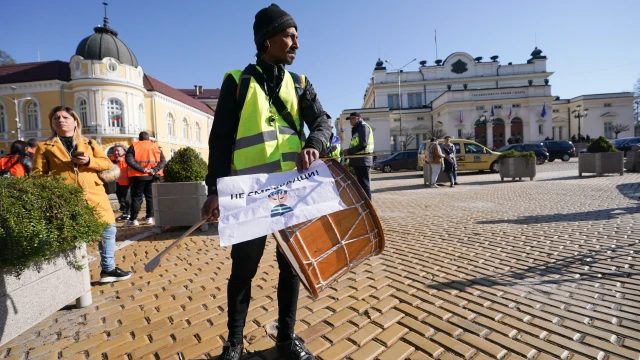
122	186
450	164
17	163
434	159
266	100
69	154
361	144
145	159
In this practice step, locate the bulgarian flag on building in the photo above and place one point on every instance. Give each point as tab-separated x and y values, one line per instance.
115	118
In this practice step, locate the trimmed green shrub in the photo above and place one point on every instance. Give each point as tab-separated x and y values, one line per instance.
40	217
600	145
530	156
185	166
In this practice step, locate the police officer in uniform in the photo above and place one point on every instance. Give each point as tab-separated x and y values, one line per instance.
258	129
361	144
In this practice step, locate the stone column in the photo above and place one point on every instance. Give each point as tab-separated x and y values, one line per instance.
507	131
490	136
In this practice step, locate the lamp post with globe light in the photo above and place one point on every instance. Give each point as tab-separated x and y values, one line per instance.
579	115
15	103
399	70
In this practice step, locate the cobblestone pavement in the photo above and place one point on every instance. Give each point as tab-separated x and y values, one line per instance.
543	269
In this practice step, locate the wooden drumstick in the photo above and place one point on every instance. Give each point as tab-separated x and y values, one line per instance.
153	264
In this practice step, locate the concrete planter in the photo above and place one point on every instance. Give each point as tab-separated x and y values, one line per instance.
36	294
178	204
426	175
601	163
632	162
517	168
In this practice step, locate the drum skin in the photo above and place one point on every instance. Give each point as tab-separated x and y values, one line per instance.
322	250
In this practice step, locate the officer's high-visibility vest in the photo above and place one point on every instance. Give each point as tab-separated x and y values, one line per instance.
147	154
336	153
262	146
355	140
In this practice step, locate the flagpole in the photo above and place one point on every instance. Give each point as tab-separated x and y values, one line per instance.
436	40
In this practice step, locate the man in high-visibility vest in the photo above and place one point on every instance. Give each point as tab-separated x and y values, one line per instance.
258	129
122	186
145	160
361	144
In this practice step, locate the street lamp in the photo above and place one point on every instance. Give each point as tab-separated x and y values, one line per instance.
579	115
400	98
15	103
488	120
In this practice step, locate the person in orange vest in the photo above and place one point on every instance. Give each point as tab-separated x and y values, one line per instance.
18	162
31	148
145	160
122	186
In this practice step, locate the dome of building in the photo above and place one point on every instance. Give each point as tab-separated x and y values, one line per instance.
105	43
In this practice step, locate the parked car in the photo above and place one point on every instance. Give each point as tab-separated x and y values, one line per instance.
542	154
469	154
560	149
398	161
625	144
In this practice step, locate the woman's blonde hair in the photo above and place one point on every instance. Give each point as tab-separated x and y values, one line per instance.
77	134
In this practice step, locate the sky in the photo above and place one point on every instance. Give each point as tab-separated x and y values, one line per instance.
590	45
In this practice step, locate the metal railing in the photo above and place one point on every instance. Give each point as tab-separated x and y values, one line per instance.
98	130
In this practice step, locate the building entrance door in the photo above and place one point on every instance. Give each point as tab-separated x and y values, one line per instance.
498	134
480	129
516	129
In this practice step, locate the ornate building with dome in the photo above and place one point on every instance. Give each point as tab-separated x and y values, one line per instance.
104	83
485	101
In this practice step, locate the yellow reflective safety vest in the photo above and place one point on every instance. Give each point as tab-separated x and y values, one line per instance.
355	140
262	146
336	153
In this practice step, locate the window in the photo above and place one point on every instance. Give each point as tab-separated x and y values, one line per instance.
472	149
515	106
560	133
114	113
415	100
420	118
459	133
540	129
141	122
480	107
32	116
197	132
393	102
82	112
170	125
3	127
497	106
112	66
173	152
608	129
396	120
607	105
556	110
553	132
185	129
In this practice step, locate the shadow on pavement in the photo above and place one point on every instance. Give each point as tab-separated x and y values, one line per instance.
572	177
630	190
400	176
401	188
593	215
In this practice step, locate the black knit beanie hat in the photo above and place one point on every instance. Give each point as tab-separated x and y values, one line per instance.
270	21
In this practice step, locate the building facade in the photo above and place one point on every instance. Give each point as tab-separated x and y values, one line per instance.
112	95
484	101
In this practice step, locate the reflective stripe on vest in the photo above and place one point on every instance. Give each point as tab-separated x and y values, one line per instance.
262	147
355	140
147	154
336	154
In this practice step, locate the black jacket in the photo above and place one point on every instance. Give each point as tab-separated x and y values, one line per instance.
363	138
227	119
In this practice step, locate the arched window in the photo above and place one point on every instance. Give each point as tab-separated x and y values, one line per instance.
173	152
141	122
3	117
115	113
170	124
197	132
32	116
185	129
82	112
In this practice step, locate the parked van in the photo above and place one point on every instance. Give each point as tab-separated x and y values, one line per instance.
470	155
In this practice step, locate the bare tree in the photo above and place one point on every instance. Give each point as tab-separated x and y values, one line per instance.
436	133
618	128
469	135
409	138
6	59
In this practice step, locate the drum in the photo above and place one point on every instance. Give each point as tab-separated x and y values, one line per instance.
322	250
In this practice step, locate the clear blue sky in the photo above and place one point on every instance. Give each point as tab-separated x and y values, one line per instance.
592	45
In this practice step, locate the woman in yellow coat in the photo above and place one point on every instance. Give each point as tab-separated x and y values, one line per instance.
69	154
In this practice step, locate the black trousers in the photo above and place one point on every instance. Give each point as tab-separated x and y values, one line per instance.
364	178
138	189
245	258
122	192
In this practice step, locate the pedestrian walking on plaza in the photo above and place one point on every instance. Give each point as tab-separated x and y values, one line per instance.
17	163
122	186
361	144
450	164
79	160
434	159
145	159
257	100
